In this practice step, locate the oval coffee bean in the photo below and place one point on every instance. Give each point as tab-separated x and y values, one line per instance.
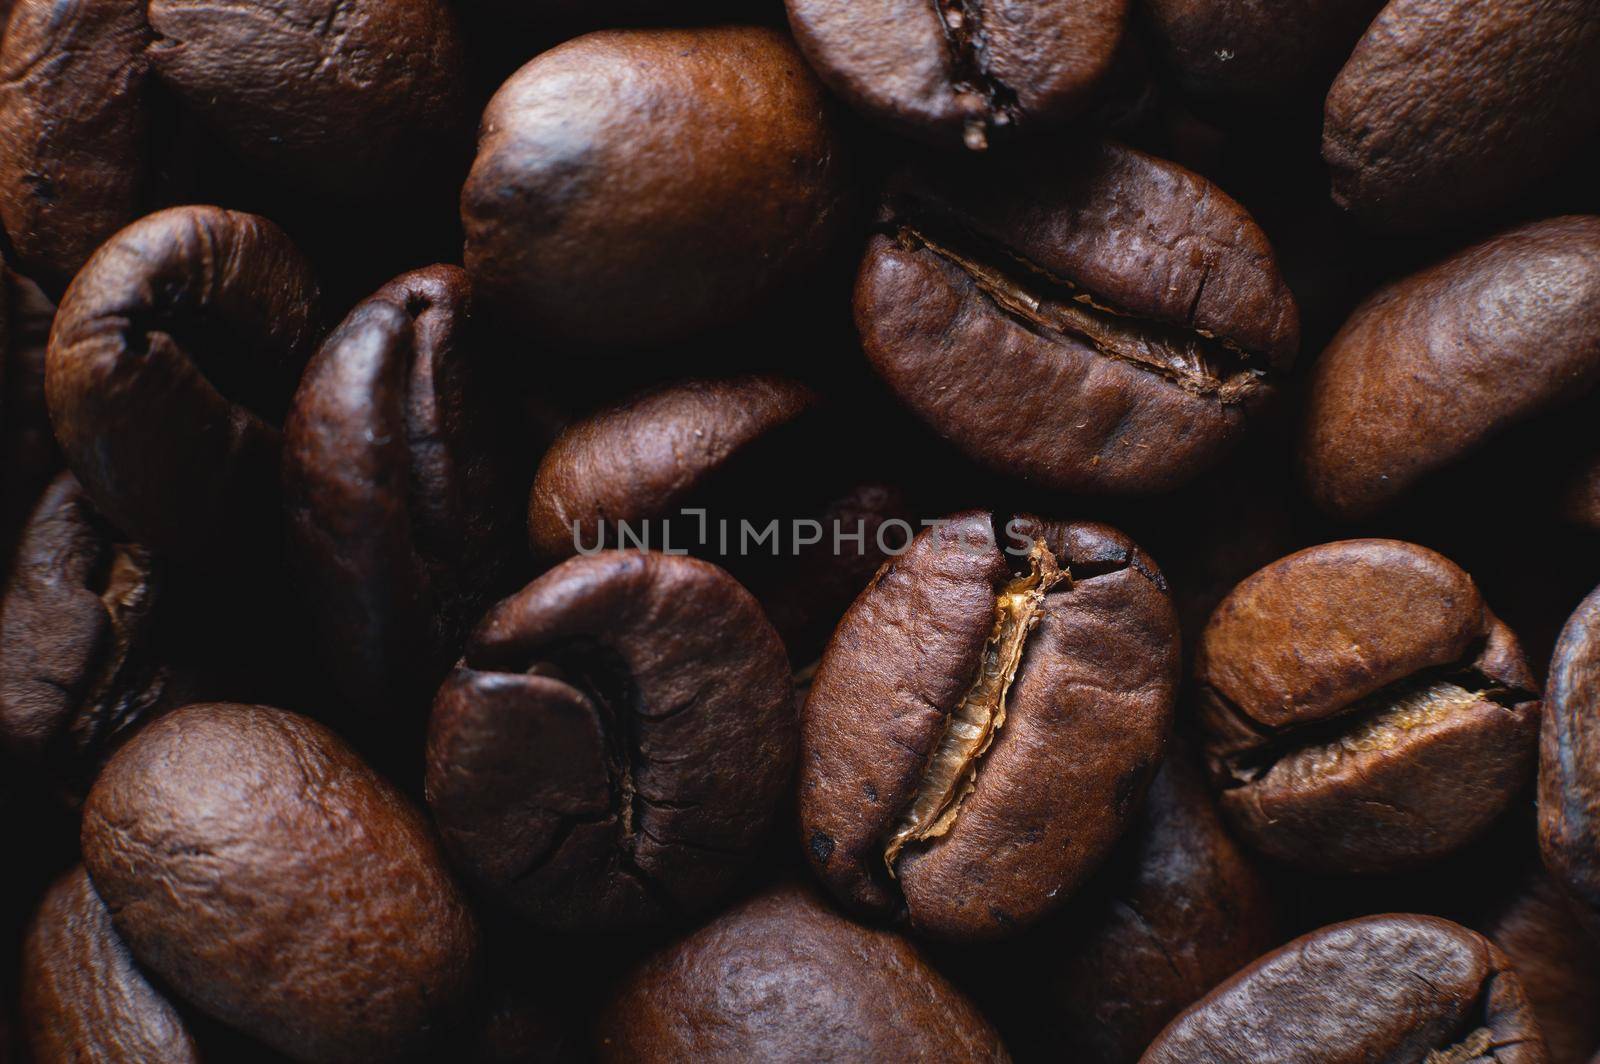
1363	710
81	666
28	443
73	124
172	361
977	736
1138	310
965	71
1569	761
782	978
643	459
1389	988
615	743
1185	910
402	515
1433	367
265	873
1450	107
83	997
609	167
339	97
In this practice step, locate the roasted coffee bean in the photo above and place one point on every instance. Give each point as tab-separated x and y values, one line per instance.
615	743
962	71
1255	57
74	121
265	873
1557	963
1381	988
983	726
641	461
81	663
1364	711
172	361
83	997
1450	107
401	503
610	171
781	978
27	442
337	97
1137	309
1569	761
1434	367
1184	909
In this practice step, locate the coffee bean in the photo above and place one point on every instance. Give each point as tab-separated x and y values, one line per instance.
74	120
962	71
402	509
1435	367
334	98
1363	709
977	736
1138	310
1450	107
609	168
83	997
1382	988
1569	761
782	978
27	441
81	657
265	873
615	743
172	361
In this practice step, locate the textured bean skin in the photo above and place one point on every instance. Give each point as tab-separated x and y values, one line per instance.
1187	909
1163	254
640	460
288	82
1027	64
597	209
1434	367
84	998
1569	761
1304	653
1449	108
256	865
1385	988
73	125
401	506
782	978
900	662
172	361
615	743
81	663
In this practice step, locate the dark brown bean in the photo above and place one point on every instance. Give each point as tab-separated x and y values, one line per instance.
1435	367
269	876
1138	310
172	361
609	168
73	125
976	739
1451	107
783	979
1569	761
27	441
962	71
1385	988
401	503
1363	709
83	997
615	743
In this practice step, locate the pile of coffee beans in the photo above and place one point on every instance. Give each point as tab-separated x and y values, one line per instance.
800	530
